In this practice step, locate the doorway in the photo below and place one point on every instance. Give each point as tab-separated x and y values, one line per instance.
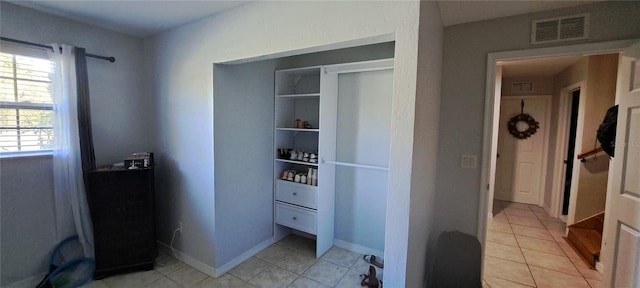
573	128
519	222
521	163
492	117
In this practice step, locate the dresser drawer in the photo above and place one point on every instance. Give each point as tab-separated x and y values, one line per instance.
296	218
298	194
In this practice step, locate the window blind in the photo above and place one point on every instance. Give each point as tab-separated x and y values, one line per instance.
26	108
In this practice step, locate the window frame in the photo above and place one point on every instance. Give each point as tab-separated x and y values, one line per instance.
40	53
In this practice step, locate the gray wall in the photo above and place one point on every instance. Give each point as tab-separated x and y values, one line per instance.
243	107
118	99
422	234
27	213
463	92
122	120
180	75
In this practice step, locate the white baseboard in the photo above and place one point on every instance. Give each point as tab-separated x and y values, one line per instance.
357	248
211	271
548	210
600	267
193	262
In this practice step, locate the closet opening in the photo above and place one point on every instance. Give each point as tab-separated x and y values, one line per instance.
348	121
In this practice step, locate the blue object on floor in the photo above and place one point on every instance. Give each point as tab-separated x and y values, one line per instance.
68	268
458	261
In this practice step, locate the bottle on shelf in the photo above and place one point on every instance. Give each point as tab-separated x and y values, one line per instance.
315	177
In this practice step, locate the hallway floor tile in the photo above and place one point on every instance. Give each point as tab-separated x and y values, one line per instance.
533	252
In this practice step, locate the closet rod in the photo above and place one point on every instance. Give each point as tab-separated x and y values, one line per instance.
355	165
110	59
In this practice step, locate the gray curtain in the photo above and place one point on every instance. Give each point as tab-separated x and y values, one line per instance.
84	115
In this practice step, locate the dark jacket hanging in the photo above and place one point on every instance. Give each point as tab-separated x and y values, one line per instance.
607	131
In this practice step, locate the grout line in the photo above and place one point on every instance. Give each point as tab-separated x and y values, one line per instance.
511	281
305	270
504	260
494	242
547	268
535	284
339	280
538	217
205	278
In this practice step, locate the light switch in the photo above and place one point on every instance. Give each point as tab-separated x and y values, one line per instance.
469	161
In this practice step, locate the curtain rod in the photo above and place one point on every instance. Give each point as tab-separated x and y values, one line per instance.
110	59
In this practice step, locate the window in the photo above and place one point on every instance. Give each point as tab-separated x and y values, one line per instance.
26	105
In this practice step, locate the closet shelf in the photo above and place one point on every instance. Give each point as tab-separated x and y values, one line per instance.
298	93
310	95
297	162
298	129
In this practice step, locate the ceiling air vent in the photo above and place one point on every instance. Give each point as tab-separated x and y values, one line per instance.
522	87
560	29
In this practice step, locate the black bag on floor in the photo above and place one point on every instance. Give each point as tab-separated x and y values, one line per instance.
458	261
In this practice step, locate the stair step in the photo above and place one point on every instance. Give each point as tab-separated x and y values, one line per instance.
596	221
587	241
600	223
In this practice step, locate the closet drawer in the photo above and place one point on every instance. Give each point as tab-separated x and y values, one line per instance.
298	194
296	218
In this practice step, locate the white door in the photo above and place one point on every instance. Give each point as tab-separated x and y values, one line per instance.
621	249
520	163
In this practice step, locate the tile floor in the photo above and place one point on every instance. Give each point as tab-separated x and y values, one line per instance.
525	248
288	263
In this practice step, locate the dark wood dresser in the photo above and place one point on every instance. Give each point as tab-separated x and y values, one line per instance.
123	216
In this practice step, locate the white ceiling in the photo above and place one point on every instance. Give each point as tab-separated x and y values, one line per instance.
541	67
137	18
143	18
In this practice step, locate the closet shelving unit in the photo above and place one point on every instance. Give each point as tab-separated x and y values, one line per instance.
300	207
